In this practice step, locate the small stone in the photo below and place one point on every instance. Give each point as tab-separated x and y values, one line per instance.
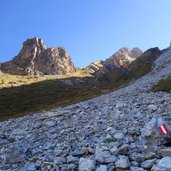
152	107
72	166
122	162
123	150
114	150
165	152
102	168
71	159
49	123
150	155
119	135
138	157
48	165
30	167
59	160
86	164
13	158
77	153
105	157
133	131
147	164
88	150
136	169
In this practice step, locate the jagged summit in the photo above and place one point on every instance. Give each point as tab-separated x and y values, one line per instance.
36	59
122	58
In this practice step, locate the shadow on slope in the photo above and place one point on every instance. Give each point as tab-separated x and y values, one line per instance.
44	95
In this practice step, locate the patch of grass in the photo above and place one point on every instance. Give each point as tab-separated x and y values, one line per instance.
163	85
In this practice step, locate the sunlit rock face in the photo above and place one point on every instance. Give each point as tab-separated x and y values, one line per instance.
36	59
122	58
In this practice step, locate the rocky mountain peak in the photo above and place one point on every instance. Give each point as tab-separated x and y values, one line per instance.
36	59
124	56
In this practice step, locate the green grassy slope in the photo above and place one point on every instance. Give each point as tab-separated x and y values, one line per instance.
163	85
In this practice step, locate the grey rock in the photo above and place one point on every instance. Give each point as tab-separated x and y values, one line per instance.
105	157
136	169
138	157
122	162
164	164
150	155
86	164
123	150
114	150
150	134
147	164
153	107
30	167
50	123
119	135
71	159
13	158
77	153
72	166
102	168
165	152
60	160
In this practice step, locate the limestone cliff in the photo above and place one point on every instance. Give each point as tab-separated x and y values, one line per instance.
36	59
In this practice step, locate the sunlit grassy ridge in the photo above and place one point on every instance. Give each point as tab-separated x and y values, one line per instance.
7	80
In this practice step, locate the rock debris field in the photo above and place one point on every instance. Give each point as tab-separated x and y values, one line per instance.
117	131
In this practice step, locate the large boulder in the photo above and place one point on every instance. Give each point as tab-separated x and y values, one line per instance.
36	59
151	137
163	165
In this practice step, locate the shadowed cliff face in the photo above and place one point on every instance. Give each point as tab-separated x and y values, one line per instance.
36	59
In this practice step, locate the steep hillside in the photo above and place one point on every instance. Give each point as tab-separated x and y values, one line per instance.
36	59
116	131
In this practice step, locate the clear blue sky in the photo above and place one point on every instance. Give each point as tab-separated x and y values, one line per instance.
89	29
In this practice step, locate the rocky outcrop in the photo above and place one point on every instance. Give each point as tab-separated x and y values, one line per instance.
95	66
36	59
